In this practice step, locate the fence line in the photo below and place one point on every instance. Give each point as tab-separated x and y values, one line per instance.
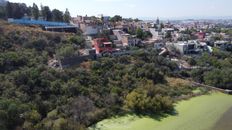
213	88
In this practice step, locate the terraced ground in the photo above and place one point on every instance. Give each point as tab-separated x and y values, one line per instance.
199	113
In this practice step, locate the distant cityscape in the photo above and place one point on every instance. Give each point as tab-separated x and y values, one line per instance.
102	72
111	35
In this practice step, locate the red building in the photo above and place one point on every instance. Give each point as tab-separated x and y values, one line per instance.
102	45
201	35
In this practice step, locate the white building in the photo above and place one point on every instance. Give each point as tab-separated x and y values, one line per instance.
185	47
125	38
90	29
156	35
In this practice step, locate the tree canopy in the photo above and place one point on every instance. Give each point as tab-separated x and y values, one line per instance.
20	10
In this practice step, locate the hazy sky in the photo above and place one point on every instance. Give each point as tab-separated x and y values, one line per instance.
141	8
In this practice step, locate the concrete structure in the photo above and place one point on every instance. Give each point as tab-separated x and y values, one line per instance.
118	34
165	30
102	45
126	39
36	22
144	26
88	29
90	26
156	35
129	40
220	43
72	29
223	45
184	47
46	25
190	47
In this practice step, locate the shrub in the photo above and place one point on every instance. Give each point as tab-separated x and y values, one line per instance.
148	99
66	51
77	40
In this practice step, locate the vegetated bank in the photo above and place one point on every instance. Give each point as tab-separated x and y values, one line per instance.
198	113
34	96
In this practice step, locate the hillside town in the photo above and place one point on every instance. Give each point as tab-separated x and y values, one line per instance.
115	35
186	36
62	70
118	36
105	35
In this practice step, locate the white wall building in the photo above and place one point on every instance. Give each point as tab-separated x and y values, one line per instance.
90	29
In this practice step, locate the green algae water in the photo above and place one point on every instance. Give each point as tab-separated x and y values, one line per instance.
198	113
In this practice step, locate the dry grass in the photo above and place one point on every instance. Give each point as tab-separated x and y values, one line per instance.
177	82
86	65
29	31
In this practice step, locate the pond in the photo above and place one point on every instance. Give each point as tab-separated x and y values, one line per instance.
199	113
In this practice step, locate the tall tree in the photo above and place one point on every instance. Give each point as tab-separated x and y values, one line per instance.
2	8
161	25
46	13
67	16
35	11
140	33
9	10
57	15
16	10
116	18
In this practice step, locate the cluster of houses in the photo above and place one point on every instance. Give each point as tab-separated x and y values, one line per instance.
168	38
186	37
93	27
187	42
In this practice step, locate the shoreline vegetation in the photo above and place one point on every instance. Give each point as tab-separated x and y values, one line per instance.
53	81
188	116
35	96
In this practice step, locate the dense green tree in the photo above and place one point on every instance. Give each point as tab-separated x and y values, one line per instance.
168	35
143	34
11	61
150	72
78	96
67	16
35	11
147	99
197	75
139	33
80	108
11	113
78	41
57	15
116	18
9	11
219	78
3	9
66	51
46	13
16	10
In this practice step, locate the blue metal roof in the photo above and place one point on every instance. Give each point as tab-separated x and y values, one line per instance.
38	22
